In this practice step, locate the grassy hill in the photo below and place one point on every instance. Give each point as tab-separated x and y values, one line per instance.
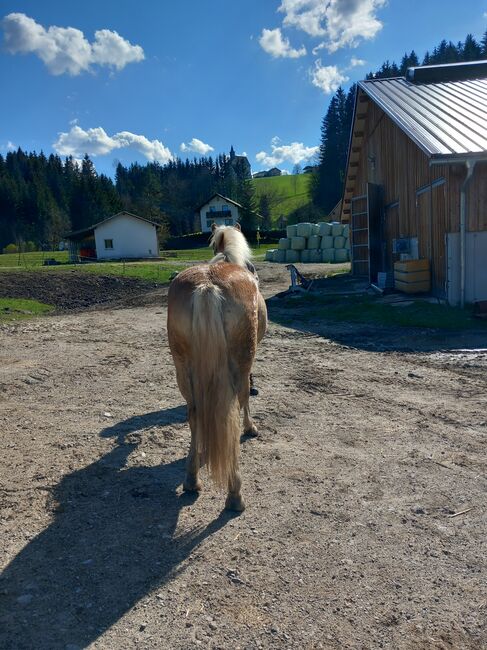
287	193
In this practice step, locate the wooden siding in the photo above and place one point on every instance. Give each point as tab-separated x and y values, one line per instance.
420	200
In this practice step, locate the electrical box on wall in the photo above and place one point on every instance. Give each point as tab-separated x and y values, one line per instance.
402	245
406	247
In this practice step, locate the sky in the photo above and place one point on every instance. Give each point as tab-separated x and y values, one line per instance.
156	79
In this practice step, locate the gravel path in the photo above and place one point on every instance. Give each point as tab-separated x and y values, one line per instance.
366	519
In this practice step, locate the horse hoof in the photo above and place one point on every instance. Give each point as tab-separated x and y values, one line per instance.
191	485
236	504
252	432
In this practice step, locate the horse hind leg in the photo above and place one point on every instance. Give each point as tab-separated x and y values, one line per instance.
234	497
191	482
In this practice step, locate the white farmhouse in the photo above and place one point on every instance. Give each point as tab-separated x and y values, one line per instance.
220	210
121	236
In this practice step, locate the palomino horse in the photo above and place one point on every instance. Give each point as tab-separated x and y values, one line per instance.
216	316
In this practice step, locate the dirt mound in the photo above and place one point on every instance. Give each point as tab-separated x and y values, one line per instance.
72	289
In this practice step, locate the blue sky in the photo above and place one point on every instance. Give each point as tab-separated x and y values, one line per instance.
147	80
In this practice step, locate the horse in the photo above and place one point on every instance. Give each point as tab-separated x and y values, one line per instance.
216	317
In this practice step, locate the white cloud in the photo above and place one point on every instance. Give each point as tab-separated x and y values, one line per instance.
328	77
354	62
341	22
275	44
65	49
196	146
10	146
293	153
96	142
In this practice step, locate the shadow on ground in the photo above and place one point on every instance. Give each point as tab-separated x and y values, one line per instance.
112	541
301	312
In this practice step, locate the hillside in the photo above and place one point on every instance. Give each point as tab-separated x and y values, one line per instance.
286	193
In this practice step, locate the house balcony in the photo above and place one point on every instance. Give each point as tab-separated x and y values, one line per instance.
219	214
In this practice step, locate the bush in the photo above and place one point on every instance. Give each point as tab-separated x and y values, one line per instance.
11	248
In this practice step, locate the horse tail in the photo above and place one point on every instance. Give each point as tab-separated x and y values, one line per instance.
217	410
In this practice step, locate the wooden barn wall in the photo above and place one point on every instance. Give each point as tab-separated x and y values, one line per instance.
412	209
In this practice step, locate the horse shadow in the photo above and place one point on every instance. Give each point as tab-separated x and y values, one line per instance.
112	541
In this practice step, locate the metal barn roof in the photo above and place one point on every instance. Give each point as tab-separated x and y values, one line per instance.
446	119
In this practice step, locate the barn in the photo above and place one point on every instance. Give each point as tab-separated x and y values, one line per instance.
416	177
121	236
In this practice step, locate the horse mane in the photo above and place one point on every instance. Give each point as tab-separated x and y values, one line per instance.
231	246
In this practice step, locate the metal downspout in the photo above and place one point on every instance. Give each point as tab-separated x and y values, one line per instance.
470	166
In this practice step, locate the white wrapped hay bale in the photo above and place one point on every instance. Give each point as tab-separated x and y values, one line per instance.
304	230
325	228
314	242
347	244
279	256
326	241
315	229
284	244
328	255
315	256
298	243
341	255
336	229
339	242
305	256
292	256
269	254
291	231
346	230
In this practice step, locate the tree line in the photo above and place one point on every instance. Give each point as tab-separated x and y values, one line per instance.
328	178
42	198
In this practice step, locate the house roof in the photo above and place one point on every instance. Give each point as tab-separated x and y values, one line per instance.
225	198
79	234
446	119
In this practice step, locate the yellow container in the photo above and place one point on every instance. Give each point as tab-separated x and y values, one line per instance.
412	276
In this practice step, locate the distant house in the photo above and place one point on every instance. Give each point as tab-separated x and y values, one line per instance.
267	174
121	236
415	181
220	210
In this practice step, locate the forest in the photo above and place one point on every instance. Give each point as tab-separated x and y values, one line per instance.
44	197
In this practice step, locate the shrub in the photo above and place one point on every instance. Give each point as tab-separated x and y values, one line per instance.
11	248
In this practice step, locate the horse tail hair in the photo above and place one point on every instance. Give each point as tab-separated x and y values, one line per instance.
217	410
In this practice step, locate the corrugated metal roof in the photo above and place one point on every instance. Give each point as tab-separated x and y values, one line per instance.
446	119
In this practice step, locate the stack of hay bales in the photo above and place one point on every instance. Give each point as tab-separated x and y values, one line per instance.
312	242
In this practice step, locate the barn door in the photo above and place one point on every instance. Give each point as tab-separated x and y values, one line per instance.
366	227
390	231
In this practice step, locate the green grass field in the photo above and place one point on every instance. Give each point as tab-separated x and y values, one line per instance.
33	260
289	192
366	309
20	308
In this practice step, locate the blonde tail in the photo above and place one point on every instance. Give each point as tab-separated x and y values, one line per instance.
214	393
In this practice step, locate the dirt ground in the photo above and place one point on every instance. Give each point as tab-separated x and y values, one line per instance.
366	517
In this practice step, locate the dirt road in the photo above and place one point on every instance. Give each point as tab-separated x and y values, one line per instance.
366	519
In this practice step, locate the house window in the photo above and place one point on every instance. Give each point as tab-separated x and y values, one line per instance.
225	208
108	244
212	208
228	222
209	223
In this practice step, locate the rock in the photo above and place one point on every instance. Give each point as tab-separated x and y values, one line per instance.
107	415
25	599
